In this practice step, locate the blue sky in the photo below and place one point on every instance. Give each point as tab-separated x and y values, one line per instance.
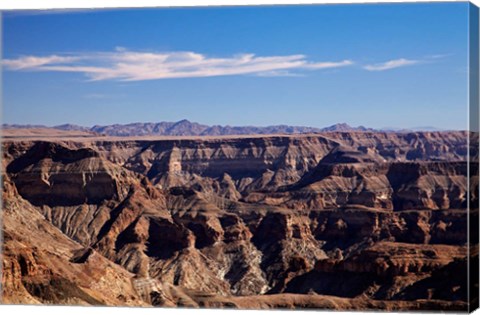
378	65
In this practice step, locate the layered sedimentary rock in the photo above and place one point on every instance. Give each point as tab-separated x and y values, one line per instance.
334	220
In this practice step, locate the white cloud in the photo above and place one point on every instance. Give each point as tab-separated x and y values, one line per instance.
391	64
125	65
29	62
326	65
438	56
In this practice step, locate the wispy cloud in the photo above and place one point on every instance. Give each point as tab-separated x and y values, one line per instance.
125	65
391	64
47	11
438	56
32	62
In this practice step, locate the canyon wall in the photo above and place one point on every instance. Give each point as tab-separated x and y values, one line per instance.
350	220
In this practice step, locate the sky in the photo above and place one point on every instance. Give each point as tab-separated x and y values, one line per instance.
376	65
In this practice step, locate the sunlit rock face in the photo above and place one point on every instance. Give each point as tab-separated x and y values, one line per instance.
343	220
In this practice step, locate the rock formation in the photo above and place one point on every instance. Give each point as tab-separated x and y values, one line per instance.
340	220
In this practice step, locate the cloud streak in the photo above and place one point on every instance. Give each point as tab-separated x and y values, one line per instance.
32	62
124	65
391	64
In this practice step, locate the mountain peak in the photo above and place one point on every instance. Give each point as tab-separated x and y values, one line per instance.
185	127
344	127
183	122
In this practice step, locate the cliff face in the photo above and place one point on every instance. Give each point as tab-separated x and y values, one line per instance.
374	219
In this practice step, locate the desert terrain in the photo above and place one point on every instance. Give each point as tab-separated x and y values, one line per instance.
346	220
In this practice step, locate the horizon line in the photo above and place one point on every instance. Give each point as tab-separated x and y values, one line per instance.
384	128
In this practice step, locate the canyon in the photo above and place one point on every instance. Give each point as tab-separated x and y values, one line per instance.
350	220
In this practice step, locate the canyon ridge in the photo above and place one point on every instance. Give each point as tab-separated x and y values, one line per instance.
346	220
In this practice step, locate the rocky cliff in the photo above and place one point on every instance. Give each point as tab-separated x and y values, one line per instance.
334	220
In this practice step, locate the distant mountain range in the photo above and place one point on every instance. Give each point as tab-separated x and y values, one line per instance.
188	128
